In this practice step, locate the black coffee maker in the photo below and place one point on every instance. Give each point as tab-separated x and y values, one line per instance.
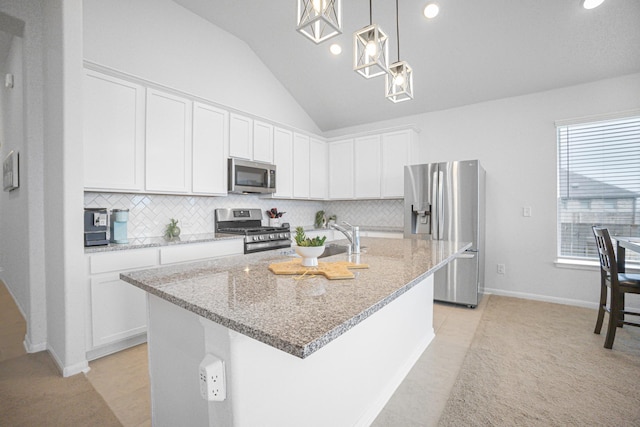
95	227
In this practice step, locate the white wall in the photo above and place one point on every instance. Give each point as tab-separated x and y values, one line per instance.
163	42
63	177
22	210
515	139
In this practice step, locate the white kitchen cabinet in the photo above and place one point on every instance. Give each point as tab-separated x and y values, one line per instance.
318	168
168	143
397	149
210	136
341	169
113	133
198	251
301	173
240	136
367	167
117	315
283	159
262	142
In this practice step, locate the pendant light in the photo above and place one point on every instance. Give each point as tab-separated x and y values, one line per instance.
371	50
399	80
319	20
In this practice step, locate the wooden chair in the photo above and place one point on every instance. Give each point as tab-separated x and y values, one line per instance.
619	284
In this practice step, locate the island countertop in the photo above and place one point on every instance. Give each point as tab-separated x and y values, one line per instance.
298	315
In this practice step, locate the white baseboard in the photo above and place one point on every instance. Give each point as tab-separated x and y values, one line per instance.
33	348
545	298
67	371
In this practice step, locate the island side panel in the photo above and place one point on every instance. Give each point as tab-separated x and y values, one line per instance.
176	348
347	382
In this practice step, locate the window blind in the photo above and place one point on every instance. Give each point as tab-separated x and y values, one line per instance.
598	184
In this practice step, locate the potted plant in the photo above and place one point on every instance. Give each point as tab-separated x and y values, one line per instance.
309	249
172	231
274	217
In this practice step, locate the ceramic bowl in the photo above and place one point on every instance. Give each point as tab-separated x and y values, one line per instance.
309	254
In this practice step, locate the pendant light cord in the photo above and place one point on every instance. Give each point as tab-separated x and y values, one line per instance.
371	13
397	30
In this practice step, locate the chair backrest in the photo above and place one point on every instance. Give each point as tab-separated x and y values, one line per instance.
606	253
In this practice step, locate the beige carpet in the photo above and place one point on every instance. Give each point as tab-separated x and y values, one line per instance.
32	393
540	364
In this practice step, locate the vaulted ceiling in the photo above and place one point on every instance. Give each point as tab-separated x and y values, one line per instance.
474	51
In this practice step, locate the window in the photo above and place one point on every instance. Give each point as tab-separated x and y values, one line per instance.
598	184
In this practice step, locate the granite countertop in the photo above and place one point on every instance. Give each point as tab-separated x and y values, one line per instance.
153	242
296	315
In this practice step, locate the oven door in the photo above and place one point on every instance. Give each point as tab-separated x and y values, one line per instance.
251	177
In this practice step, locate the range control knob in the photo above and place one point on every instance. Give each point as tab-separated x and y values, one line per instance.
273	236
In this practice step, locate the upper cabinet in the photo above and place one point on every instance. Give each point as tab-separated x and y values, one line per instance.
397	150
210	136
168	143
262	142
240	136
341	169
318	169
113	132
283	159
301	166
367	167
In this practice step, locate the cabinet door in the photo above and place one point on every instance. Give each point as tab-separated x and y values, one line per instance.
168	145
262	142
118	309
240	136
341	169
210	136
283	159
396	154
301	166
113	133
367	166
319	169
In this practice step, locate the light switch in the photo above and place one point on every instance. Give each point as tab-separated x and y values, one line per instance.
526	211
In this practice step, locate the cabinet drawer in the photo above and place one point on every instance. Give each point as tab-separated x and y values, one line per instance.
123	260
197	251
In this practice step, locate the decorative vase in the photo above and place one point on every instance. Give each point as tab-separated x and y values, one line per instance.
274	222
309	254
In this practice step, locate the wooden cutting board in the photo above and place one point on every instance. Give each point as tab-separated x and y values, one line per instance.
331	270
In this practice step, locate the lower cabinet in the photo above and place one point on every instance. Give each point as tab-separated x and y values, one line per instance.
117	314
118	310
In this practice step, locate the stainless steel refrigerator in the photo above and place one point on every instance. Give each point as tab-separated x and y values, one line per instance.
446	201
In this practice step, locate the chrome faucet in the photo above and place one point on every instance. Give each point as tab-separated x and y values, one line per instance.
353	236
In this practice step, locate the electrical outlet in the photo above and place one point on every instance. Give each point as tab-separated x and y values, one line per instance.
501	269
212	379
526	211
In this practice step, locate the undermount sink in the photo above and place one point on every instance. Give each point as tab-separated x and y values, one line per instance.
330	250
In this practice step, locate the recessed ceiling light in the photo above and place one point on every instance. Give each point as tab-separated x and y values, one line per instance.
431	10
335	49
591	4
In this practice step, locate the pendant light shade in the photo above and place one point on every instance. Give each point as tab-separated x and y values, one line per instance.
319	20
371	51
399	82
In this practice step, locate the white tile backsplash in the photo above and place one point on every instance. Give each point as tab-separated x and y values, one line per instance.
150	213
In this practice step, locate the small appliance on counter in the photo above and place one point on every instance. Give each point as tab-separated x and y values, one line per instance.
95	227
248	222
118	229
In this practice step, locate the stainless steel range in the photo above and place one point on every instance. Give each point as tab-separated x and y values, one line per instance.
248	222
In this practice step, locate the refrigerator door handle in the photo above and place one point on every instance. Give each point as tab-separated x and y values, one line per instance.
435	206
440	206
466	255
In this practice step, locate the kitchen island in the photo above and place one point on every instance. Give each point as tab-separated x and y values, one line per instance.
297	350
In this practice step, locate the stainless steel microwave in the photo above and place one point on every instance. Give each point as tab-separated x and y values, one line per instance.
251	177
